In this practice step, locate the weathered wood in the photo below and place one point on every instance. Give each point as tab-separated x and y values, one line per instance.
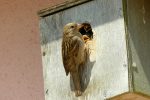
130	96
139	34
107	72
60	7
130	75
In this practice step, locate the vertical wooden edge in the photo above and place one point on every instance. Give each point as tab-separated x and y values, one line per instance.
60	7
129	55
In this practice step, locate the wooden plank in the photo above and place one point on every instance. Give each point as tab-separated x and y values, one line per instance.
60	7
138	29
107	72
131	96
128	46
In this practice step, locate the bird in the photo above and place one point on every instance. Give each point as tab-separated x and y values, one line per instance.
73	53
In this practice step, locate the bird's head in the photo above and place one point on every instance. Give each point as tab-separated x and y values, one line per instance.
72	29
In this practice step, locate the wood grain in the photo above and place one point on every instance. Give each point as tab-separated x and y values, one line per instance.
131	96
60	7
106	74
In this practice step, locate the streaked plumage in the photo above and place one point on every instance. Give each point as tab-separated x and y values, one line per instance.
73	53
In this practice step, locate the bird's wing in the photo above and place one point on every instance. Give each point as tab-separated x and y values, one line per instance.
70	50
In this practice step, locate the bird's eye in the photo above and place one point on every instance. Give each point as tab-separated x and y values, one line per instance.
72	26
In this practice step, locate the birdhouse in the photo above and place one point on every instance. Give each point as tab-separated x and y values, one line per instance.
119	51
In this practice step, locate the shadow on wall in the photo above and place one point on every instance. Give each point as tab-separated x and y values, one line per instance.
86	75
92	12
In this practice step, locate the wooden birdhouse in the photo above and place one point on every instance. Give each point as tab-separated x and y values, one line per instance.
119	60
